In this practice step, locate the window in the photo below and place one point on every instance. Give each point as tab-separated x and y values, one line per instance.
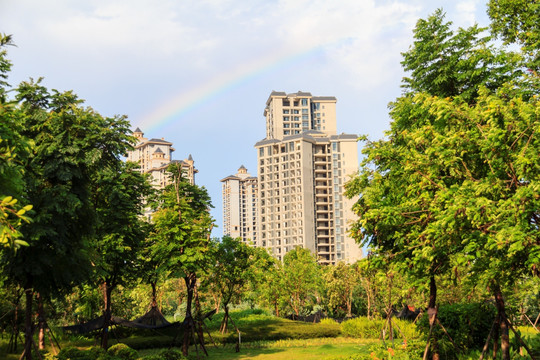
285	118
305	111
285	111
286	132
286	102
304	102
261	152
297	118
286	126
295	111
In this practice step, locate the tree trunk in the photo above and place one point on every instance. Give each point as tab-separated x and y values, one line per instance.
368	291
190	281
13	346
224	328
41	323
154	297
496	336
503	324
107	290
28	339
433	306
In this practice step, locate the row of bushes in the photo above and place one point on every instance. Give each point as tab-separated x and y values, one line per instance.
115	352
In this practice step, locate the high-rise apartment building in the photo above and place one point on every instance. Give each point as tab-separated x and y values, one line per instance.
240	206
154	156
303	165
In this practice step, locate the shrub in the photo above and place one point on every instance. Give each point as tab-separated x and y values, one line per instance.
364	328
171	354
468	325
123	352
327	321
398	351
73	353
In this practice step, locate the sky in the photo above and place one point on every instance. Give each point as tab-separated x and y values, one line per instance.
198	72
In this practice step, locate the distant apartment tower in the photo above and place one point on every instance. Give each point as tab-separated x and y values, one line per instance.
240	206
302	168
154	156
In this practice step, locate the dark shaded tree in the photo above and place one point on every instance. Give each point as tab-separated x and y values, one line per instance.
119	192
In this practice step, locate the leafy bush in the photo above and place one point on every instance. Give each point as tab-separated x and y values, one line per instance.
171	354
468	325
327	321
399	351
364	328
168	354
73	353
123	352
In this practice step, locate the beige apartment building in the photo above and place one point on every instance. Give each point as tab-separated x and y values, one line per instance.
240	206
303	165
154	156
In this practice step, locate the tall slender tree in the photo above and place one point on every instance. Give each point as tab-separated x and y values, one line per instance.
182	225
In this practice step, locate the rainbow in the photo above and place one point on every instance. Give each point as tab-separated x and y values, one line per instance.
181	104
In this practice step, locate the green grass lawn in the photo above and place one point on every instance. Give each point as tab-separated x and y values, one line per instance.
321	348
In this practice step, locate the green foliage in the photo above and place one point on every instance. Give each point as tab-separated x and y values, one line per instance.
341	281
467	324
301	280
517	21
169	354
14	149
327	321
446	64
74	353
364	328
233	268
180	239
399	351
123	352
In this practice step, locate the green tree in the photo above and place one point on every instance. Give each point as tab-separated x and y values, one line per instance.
341	281
70	144
232	270
445	63
302	280
516	22
119	193
268	284
13	150
182	225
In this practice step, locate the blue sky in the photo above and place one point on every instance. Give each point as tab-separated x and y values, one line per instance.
198	72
